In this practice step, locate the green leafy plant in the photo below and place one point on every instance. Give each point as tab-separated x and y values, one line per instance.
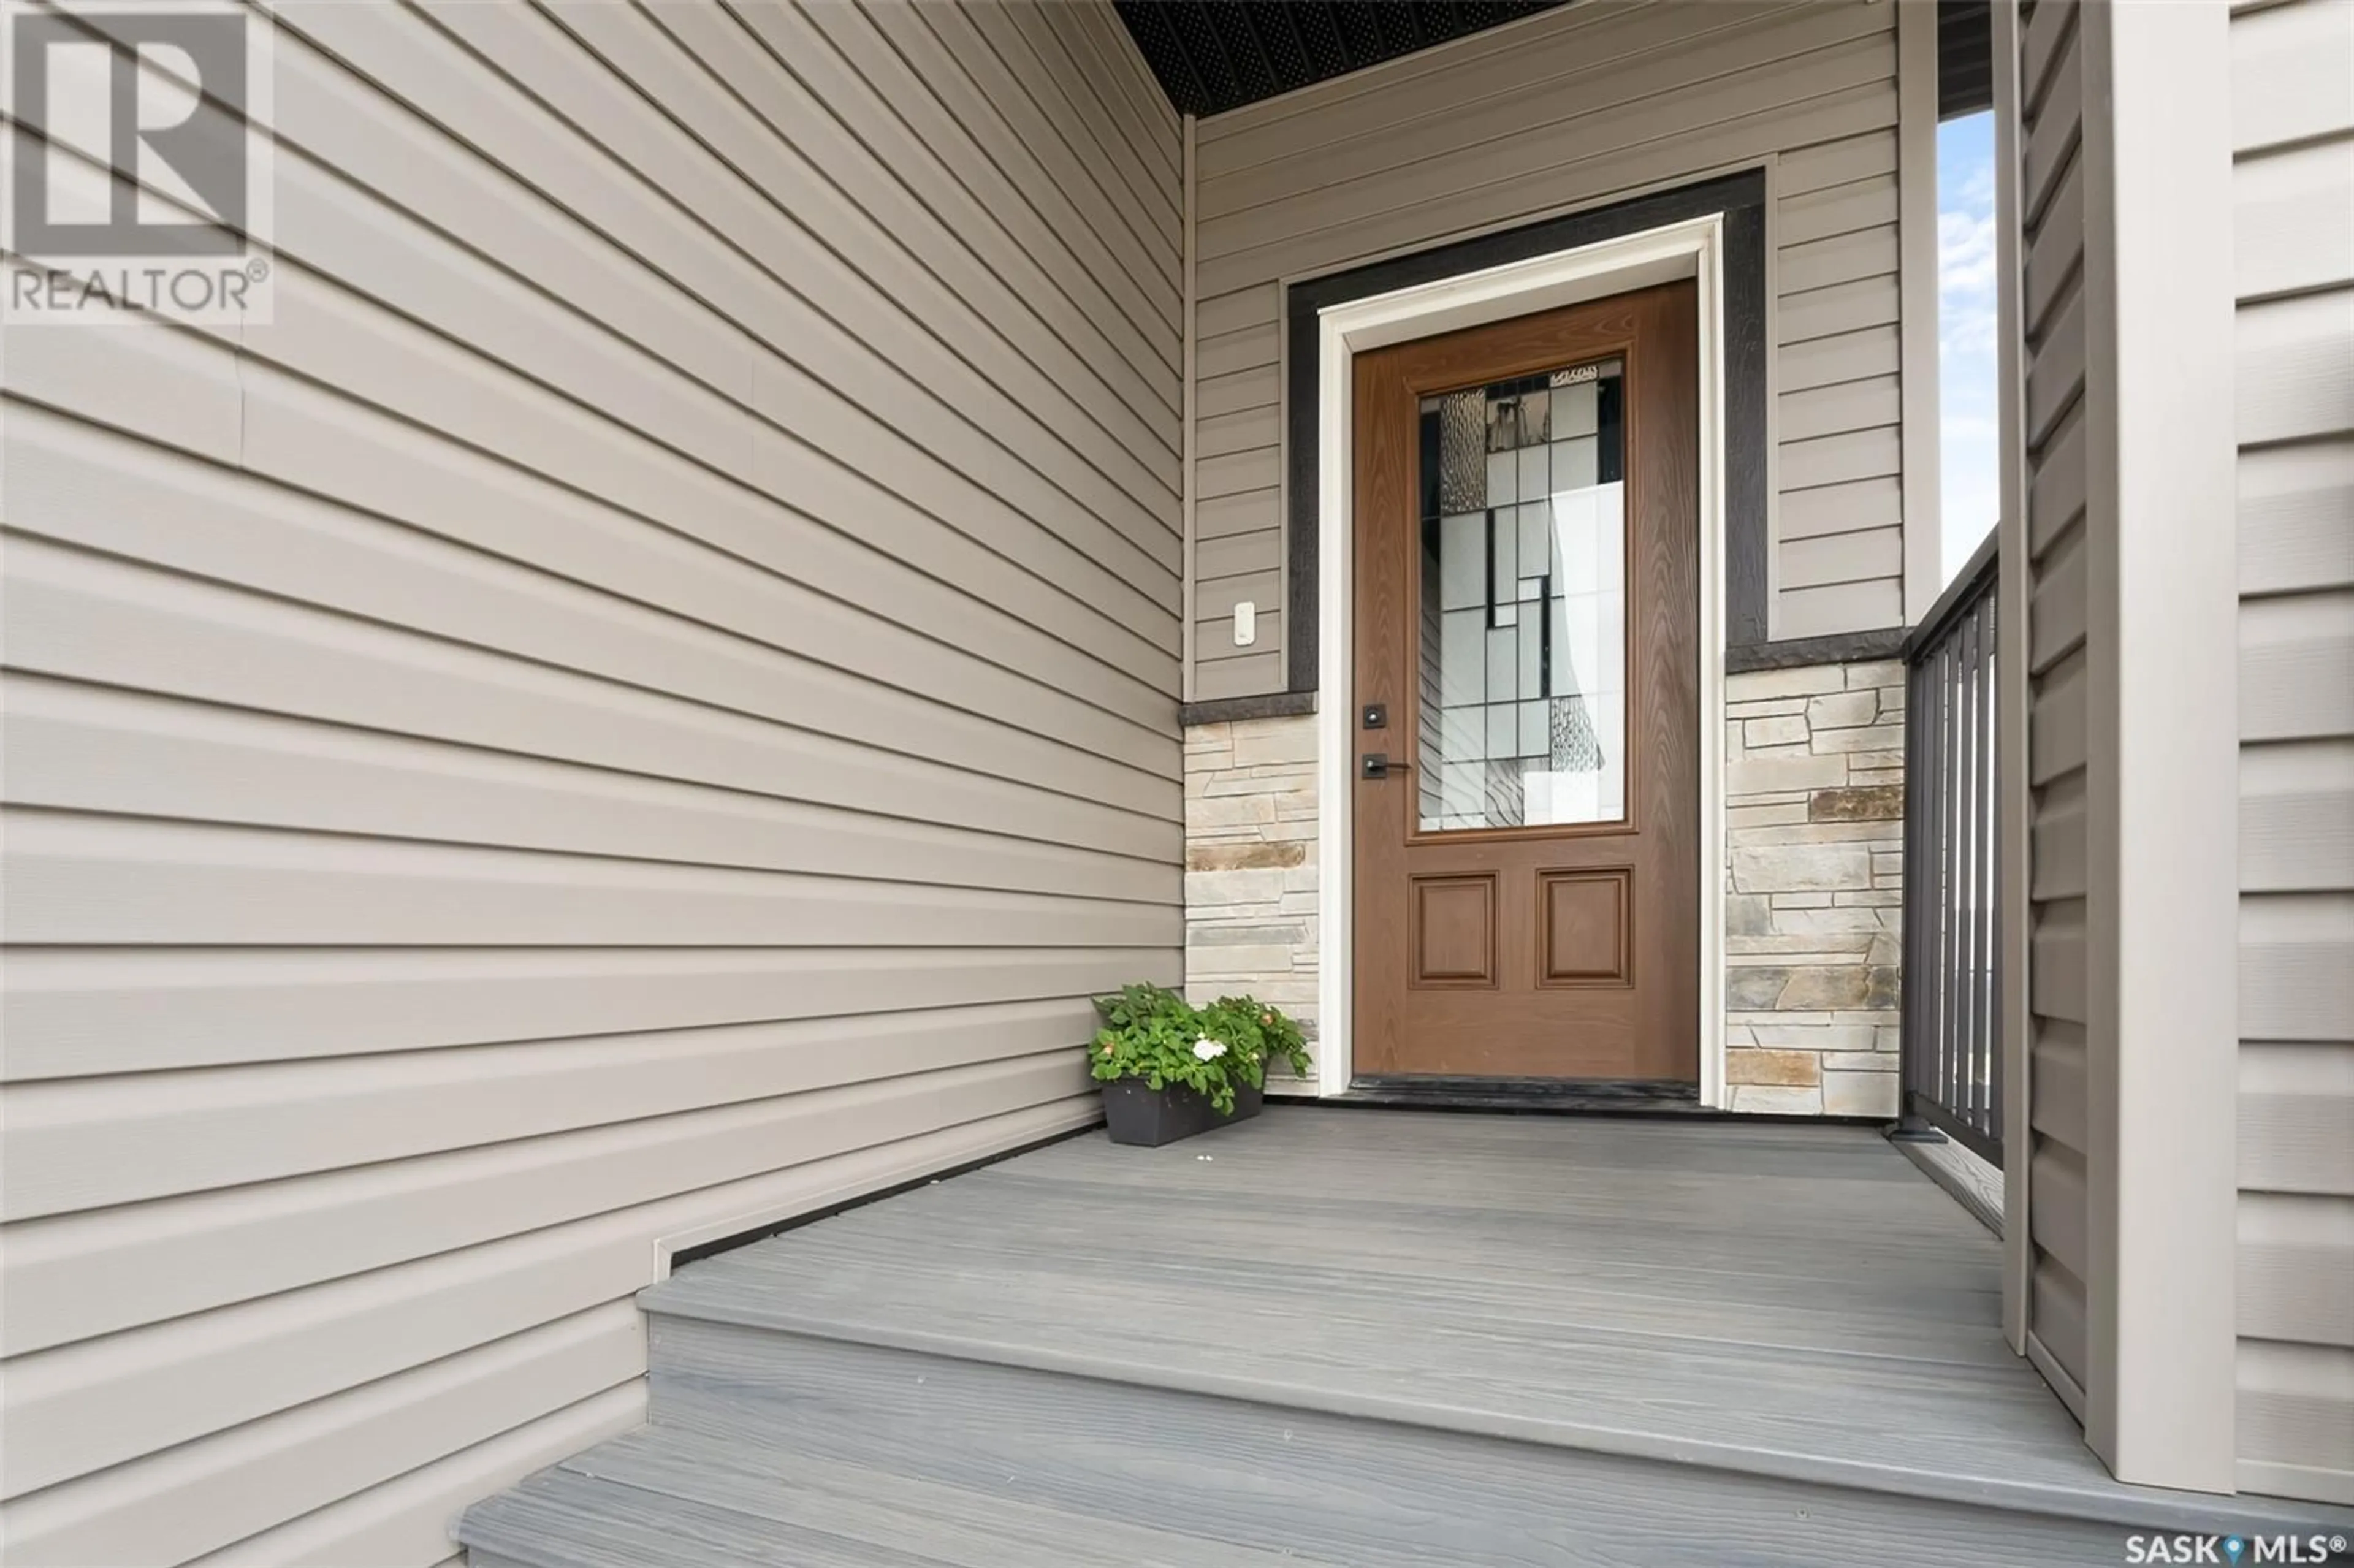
1151	1033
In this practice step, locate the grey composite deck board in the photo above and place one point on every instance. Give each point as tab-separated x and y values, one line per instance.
733	1463
977	1465
1377	1338
1973	1184
1369	1493
564	1519
1789	1300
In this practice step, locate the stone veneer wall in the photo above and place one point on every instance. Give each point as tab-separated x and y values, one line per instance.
1815	804
1814	786
1250	867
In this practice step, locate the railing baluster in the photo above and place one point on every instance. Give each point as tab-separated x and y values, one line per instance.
1973	881
1955	777
1992	1043
1931	873
1989	862
1933	853
1951	1071
1965	879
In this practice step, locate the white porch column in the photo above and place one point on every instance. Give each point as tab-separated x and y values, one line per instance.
2122	875
2164	585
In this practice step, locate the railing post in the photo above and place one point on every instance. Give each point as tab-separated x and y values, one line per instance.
1913	1065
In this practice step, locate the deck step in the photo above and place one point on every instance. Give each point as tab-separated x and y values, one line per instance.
777	1448
1895	1409
671	1496
1355	1340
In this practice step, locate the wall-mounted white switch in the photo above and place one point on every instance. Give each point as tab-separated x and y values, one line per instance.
1246	623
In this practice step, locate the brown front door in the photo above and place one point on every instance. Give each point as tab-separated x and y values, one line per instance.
1527	868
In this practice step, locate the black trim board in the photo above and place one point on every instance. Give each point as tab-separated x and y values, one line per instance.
793	1221
1526	1096
1837	648
1740	198
1220	710
1445	1091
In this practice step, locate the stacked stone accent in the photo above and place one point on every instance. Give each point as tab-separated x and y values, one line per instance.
1250	865
1815	810
1815	806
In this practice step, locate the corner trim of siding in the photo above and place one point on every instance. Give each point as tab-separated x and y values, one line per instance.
2055	1374
1921	504
1189	457
2162	752
2013	869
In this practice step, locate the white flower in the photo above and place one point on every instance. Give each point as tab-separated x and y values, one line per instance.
1209	1050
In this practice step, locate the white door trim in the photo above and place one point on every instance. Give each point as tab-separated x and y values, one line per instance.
1690	249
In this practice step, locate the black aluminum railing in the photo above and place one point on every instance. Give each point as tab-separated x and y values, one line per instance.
1952	1070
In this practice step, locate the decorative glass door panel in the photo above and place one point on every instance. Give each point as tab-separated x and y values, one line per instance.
1522	659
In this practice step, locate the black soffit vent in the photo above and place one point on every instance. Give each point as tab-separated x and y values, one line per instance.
1215	55
1964	56
1211	55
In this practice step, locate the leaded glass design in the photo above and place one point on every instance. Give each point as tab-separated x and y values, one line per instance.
1523	610
1462	446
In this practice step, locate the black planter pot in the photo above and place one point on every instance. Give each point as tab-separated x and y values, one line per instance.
1135	1113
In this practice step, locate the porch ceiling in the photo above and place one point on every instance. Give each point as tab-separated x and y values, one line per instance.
1215	55
1211	55
1964	56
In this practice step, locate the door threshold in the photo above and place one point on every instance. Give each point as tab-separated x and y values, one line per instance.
1629	1097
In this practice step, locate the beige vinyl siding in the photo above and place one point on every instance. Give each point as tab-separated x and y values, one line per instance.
2293	113
1238	536
642	704
1573	109
2052	253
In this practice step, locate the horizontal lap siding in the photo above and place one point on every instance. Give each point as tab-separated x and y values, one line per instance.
2293	113
1571	110
1841	565
2052	253
1238	492
642	703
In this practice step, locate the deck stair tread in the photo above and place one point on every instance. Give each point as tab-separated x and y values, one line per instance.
1364	1337
986	1472
673	1497
1786	1301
